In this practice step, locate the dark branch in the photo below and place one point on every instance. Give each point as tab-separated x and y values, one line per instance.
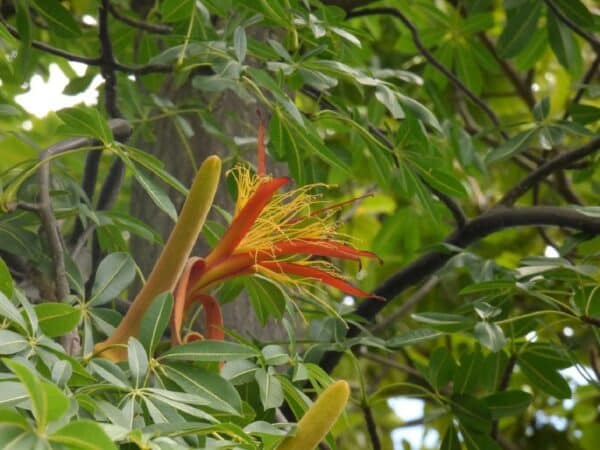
371	427
134	70
145	26
476	229
432	59
107	62
587	78
559	162
593	40
450	203
521	88
53	50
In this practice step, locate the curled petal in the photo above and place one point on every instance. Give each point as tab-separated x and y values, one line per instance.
244	220
192	270
311	272
320	247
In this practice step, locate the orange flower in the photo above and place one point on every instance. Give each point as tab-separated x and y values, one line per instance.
273	233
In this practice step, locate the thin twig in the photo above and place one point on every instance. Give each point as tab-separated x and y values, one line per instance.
587	78
408	305
432	59
593	40
504	382
559	162
145	26
52	50
521	88
391	363
455	209
91	61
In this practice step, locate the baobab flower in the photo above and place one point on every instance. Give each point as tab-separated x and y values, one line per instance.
276	234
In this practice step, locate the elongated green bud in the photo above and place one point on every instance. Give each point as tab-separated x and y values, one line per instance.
171	261
319	418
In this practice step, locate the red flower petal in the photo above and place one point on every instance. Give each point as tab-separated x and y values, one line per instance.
311	272
320	247
192	270
244	220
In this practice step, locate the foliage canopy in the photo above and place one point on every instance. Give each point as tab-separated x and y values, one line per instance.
468	131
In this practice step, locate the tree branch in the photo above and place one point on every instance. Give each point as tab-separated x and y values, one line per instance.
145	26
592	40
495	220
371	427
432	59
587	78
52	50
561	161
90	61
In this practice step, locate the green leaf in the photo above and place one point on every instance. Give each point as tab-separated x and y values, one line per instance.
218	392
468	374
511	147
285	147
467	68
542	109
448	323
420	111
490	335
11	342
6	282
266	297
507	403
478	441
11	393
57	319
176	10
275	355
240	44
156	194
311	142
413	337
138	361
209	350
240	371
547	354
521	22
59	19
83	435
444	181
115	273
472	413
389	99
34	389
10	311
492	370
576	11
544	376
564	45
155	321
271	392
57	401
585	114
441	367
450	441
85	121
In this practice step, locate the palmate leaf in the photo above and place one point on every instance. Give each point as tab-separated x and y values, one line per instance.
217	392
